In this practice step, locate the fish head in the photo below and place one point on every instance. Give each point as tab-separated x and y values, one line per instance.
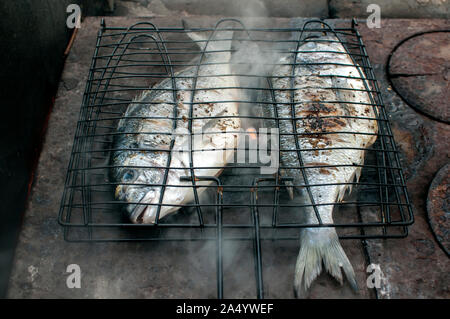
140	190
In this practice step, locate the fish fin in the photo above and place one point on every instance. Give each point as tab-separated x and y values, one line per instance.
288	184
317	247
348	188
342	191
290	189
358	174
139	97
201	39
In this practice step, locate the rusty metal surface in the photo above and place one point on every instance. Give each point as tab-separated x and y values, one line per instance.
438	207
422	80
414	267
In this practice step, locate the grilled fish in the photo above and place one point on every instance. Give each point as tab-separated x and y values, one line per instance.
334	123
152	149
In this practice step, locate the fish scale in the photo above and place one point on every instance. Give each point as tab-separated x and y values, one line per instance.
150	118
320	82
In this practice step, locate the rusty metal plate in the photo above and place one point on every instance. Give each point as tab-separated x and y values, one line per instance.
419	71
438	207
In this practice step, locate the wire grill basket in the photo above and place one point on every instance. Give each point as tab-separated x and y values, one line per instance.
240	203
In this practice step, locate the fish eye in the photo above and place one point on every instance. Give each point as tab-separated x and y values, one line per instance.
128	176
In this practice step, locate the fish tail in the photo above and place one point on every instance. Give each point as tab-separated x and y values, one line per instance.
220	41
317	247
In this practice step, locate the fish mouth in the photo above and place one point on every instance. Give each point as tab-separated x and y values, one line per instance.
143	212
137	214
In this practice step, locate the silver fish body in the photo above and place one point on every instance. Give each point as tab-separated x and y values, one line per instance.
143	153
322	123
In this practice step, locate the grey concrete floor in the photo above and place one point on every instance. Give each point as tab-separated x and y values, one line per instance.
284	8
27	90
254	8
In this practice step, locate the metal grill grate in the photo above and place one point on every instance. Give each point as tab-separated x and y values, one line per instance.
241	203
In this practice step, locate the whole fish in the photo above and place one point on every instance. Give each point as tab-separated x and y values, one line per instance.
148	130
329	135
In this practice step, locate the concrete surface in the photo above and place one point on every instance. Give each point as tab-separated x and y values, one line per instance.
271	8
33	36
252	8
415	267
418	267
391	9
422	80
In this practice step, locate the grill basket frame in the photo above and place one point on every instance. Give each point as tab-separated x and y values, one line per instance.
261	200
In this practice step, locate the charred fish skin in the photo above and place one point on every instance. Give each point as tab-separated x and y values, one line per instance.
329	136
142	148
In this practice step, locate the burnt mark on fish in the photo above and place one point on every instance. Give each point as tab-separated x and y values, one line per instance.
318	108
315	95
324	171
317	121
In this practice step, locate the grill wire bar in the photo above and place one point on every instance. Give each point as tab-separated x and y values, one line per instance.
241	204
